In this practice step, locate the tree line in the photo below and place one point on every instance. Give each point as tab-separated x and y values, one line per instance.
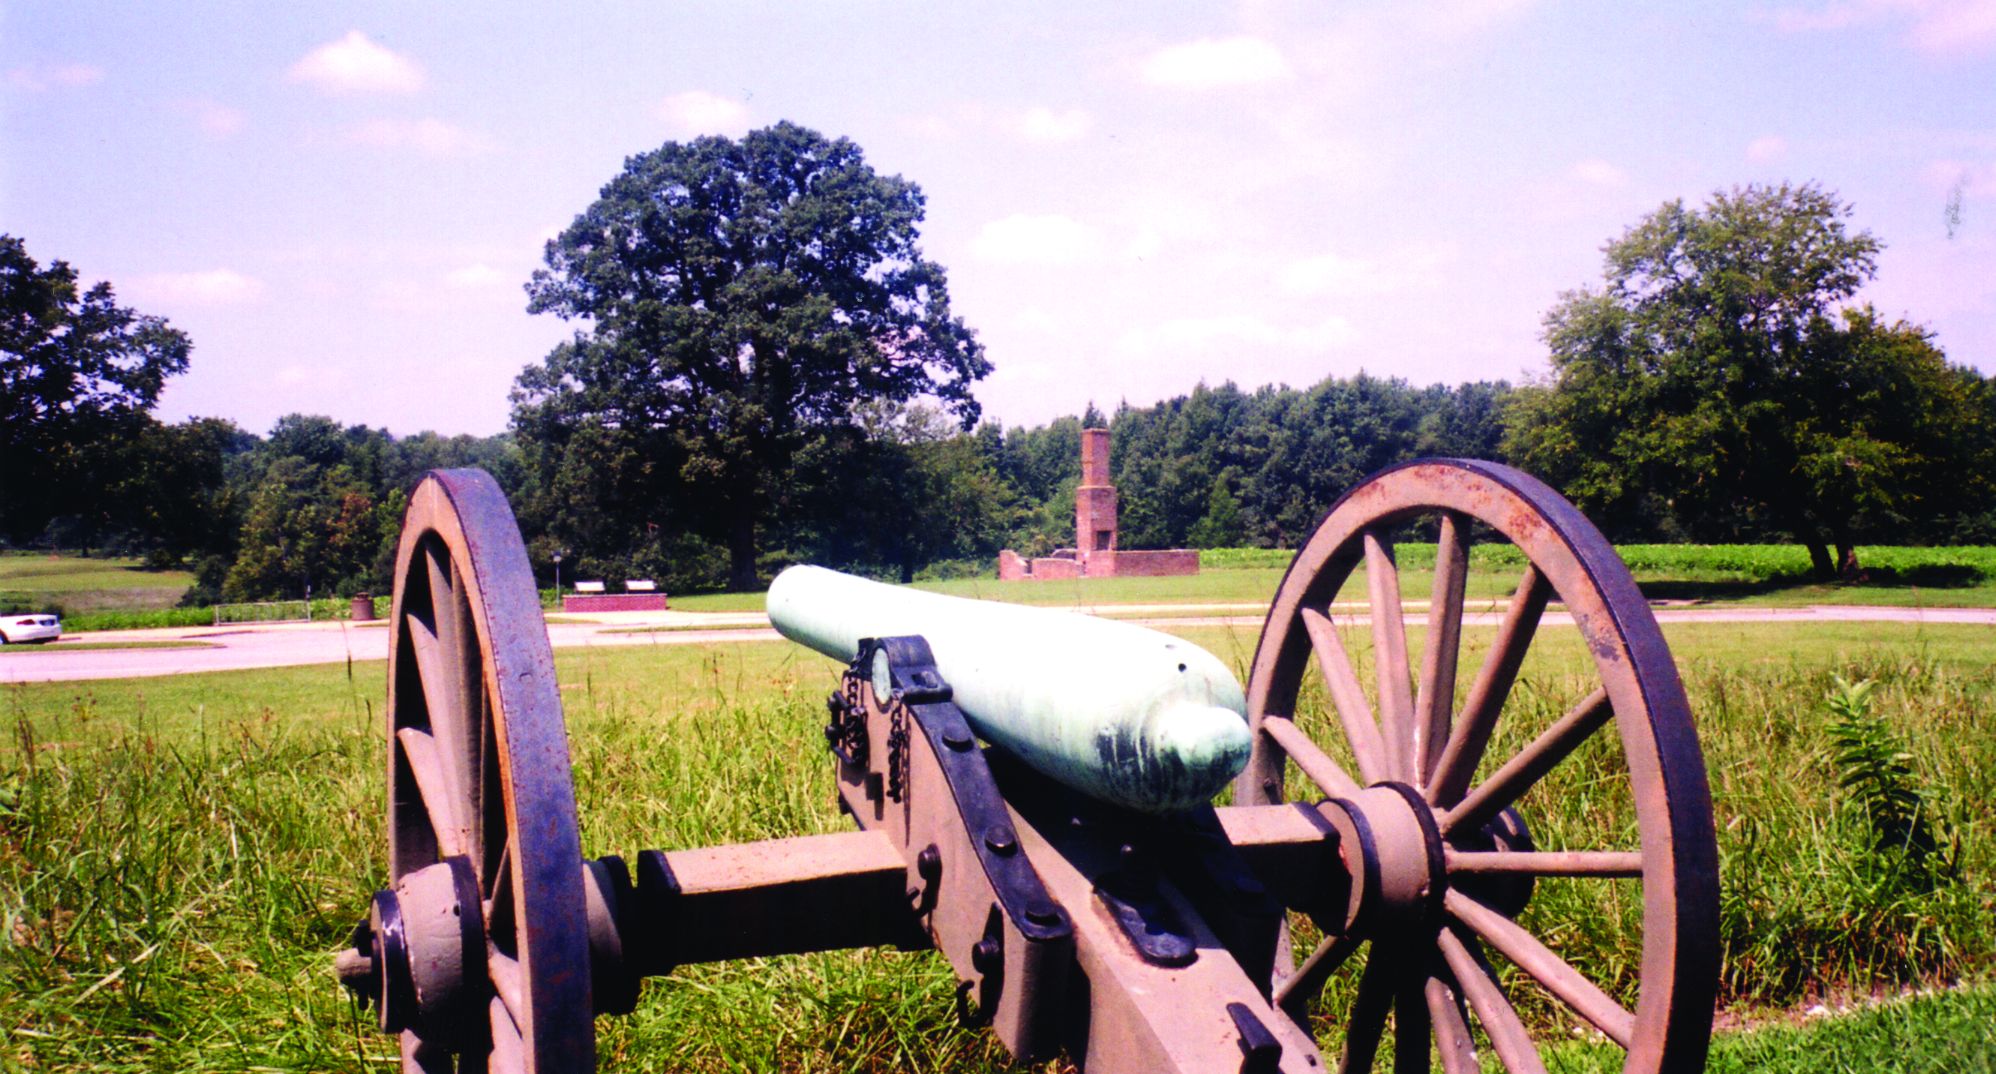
766	370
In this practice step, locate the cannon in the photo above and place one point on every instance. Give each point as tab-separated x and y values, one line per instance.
1033	797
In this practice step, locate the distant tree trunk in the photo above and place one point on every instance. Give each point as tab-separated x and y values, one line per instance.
1846	555
1821	565
741	553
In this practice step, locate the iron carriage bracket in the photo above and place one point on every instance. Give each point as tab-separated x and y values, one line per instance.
914	771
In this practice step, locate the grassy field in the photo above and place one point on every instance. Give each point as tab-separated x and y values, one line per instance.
83	586
178	857
1761	575
103	594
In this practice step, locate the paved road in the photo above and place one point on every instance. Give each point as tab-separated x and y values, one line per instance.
285	645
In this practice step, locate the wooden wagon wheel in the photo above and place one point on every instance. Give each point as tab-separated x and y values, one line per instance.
479	953
1441	863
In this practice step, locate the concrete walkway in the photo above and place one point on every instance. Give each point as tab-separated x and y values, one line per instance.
238	647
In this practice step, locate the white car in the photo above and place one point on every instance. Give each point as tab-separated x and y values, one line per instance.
15	629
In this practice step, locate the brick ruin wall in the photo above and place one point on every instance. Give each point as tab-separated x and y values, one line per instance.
1095	554
613	602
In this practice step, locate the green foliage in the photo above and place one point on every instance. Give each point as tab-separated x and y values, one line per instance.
1877	769
1221	466
742	298
79	377
1720	386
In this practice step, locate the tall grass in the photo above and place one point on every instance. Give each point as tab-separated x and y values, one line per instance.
179	857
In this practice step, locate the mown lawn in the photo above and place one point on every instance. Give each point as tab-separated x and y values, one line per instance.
1758	575
178	857
88	585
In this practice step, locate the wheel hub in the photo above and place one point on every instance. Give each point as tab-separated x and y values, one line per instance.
1393	854
420	956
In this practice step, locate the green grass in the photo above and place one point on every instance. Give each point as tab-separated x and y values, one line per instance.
681	627
1759	575
1948	1033
179	856
81	586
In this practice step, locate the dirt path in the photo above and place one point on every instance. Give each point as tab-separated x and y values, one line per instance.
285	645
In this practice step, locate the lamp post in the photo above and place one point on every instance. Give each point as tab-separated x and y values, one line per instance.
557	581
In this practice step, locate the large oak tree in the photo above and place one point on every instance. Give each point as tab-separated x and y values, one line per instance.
1723	383
739	299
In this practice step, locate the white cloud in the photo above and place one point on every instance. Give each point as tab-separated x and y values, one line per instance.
1037	239
38	77
1047	126
474	277
1976	180
1215	62
1932	26
697	112
215	119
1598	172
355	64
1192	334
431	136
1160	219
215	287
1413	266
1767	149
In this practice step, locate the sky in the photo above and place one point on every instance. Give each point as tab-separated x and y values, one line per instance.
340	203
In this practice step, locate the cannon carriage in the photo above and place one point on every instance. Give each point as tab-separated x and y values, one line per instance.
1032	794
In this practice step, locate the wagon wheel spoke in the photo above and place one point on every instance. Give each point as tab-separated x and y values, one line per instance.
1507	1034
1347	696
1329	776
499	898
440	707
1595	863
433	783
458	669
1557	975
1389	656
418	1055
1492	685
1293	995
1542	755
509	1052
1410	1025
507	983
1434	706
1452	1037
1368	1012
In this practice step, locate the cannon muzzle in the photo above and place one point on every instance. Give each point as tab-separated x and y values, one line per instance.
1125	714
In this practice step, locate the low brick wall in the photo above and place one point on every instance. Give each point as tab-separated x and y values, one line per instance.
613	602
1114	564
1011	567
1049	568
1153	564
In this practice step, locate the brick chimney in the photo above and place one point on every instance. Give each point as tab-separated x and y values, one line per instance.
1095	500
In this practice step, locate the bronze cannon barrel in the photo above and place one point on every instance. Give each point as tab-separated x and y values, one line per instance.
1125	714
